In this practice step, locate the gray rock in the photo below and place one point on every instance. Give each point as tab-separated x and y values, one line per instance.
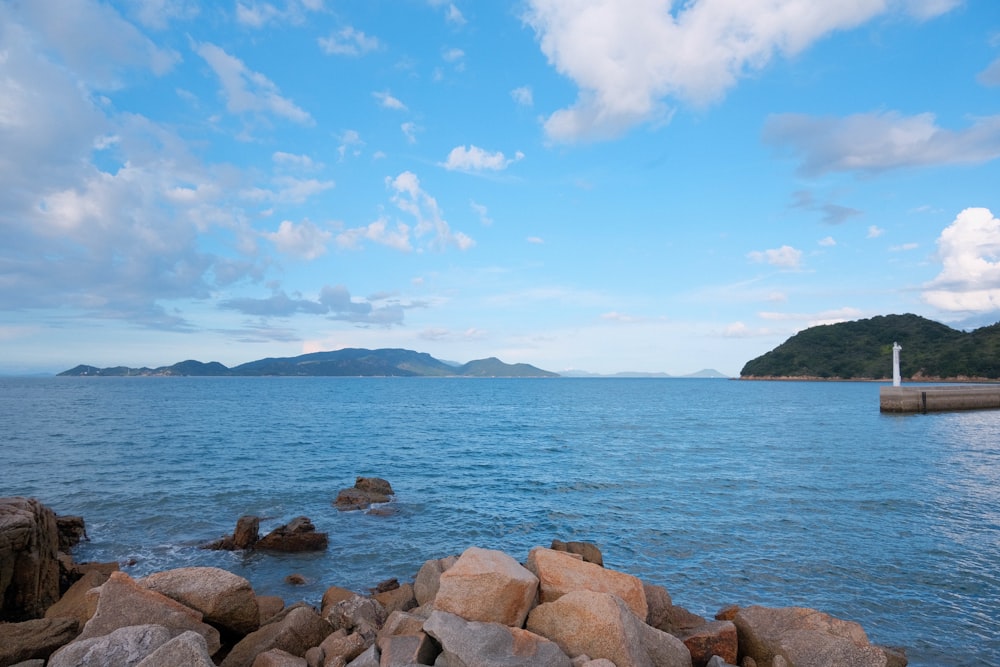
188	649
124	647
37	638
467	643
226	600
428	580
369	658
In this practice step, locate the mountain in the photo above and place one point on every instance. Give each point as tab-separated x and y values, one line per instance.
346	362
862	350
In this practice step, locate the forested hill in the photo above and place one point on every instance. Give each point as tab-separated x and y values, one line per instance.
863	350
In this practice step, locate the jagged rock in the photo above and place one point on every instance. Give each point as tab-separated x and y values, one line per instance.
402	623
489	586
602	625
224	599
37	638
71	530
715	638
123	602
491	644
299	534
365	492
370	658
187	649
428	579
75	603
245	536
365	616
29	565
123	647
278	658
332	596
343	645
560	573
296	630
586	550
804	637
403	650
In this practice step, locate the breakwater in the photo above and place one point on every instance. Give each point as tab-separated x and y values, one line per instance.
938	398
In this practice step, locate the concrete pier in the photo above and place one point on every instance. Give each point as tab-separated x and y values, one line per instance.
939	398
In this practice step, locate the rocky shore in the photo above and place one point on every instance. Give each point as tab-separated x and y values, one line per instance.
560	607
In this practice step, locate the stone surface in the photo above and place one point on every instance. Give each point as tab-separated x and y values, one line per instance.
343	645
677	620
225	600
489	586
370	658
278	658
658	604
588	551
397	599
805	638
247	532
402	623
71	530
187	649
29	565
602	625
299	534
358	614
269	606
123	602
365	492
332	596
75	603
560	573
428	579
403	650
296	630
124	647
37	638
491	644
716	638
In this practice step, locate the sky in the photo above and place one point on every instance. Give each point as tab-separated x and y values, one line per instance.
595	185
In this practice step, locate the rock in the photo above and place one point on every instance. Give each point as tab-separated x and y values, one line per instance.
403	650
278	658
397	599
123	647
71	530
37	638
270	606
370	658
363	615
491	644
29	565
123	602
75	603
727	613
428	579
225	600
803	637
588	551
658	604
297	535
677	620
343	645
332	596
188	649
559	573
717	661
247	532
488	586
402	623
602	625
366	490
716	638
295	579
296	630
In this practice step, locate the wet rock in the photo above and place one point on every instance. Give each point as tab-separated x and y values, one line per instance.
658	604
71	531
489	586
245	536
297	535
560	573
37	638
365	492
29	565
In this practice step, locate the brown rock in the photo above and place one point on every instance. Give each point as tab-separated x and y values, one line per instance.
332	596
559	573
491	644
225	600
295	579
359	614
124	646
428	579
296	630
803	637
38	638
402	623
397	599
727	613
343	645
403	650
677	620
75	603
269	606
586	550
29	565
713	638
247	532
658	604
602	625
187	649
278	658
297	535
123	602
488	586
366	490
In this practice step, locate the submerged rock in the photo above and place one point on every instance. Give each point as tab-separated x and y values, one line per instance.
365	492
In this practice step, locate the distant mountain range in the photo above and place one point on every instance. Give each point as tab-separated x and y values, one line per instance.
347	362
706	373
862	350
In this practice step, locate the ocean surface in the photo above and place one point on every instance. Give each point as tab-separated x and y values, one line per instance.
724	492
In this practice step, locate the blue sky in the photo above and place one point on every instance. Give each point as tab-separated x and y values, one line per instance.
577	184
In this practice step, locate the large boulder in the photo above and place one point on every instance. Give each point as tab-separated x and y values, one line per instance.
602	625
428	579
29	564
295	630
804	637
299	534
226	600
489	586
123	602
245	536
491	644
588	551
560	573
187	649
715	638
365	492
123	647
366	616
37	638
75	602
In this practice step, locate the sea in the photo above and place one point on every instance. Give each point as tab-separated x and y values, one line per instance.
722	491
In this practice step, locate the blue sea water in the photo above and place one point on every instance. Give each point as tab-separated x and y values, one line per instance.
724	492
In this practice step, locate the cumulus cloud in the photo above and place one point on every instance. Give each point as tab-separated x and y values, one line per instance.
157	14
475	158
304	240
257	14
876	142
350	141
628	58
349	42
247	91
410	198
381	232
969	251
785	257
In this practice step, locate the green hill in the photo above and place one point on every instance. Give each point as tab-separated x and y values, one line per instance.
863	350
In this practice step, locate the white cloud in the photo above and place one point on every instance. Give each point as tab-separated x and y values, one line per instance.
523	96
380	232
157	14
475	158
349	42
288	190
410	130
299	161
482	212
969	250
387	101
991	75
410	198
249	91
875	142
628	57
304	240
535	240
904	247
874	232
785	257
807	320
350	141
256	14
453	55
453	15
828	242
